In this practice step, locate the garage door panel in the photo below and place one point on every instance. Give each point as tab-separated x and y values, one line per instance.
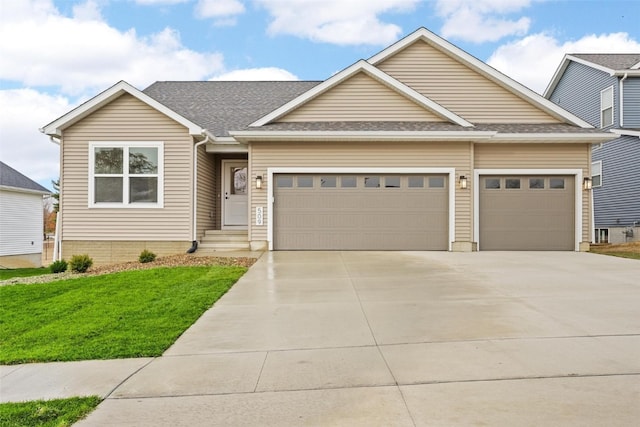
526	218
362	218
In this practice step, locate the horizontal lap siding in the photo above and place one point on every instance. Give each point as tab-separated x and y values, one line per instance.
459	88
126	119
360	98
206	192
363	154
631	102
21	223
538	156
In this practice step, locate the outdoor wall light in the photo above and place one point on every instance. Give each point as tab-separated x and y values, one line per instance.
463	182
259	182
587	183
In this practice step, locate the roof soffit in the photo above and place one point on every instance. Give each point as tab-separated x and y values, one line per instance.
483	69
375	73
56	127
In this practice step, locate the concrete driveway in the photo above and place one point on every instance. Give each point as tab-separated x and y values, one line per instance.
411	338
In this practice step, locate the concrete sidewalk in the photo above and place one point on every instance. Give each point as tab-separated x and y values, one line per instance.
373	338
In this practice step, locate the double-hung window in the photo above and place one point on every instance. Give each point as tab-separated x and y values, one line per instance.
596	173
606	107
126	174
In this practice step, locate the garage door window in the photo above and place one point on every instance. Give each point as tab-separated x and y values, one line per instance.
328	182
512	183
391	182
436	182
348	182
372	182
305	182
536	183
492	183
416	182
556	183
284	181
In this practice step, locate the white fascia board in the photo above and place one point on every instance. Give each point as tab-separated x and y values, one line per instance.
636	66
364	66
622	73
627	132
556	76
552	137
56	127
24	190
246	136
484	69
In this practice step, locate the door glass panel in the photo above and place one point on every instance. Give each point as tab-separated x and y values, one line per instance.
284	181
348	182
436	182
556	183
305	182
372	182
239	181
512	183
416	182
492	183
328	182
391	182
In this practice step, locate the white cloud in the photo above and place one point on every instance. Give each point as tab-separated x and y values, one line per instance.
23	147
159	2
257	74
352	22
41	47
533	59
481	21
88	11
218	8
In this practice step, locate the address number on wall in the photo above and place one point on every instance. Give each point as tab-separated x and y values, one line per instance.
259	215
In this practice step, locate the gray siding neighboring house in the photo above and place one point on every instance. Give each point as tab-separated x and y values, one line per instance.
21	219
577	87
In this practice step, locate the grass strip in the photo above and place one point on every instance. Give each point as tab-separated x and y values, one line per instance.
47	413
10	273
120	315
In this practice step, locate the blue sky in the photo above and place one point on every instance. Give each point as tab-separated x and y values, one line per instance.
58	53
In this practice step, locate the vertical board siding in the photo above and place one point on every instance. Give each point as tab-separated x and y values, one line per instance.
360	98
578	91
458	88
363	154
127	119
617	201
21	223
206	192
631	100
538	156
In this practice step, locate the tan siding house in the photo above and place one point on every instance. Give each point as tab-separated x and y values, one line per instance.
421	147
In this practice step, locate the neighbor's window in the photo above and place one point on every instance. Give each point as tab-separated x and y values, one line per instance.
602	235
606	107
596	174
126	174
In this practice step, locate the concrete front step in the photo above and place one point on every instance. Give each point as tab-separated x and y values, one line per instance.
225	240
225	246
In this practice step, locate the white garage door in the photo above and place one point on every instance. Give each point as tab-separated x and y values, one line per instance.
527	213
360	212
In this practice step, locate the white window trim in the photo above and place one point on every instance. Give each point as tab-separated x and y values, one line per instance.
451	172
577	173
602	125
125	196
600	174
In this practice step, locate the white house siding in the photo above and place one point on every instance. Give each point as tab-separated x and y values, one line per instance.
539	156
127	119
361	98
21	227
421	154
459	88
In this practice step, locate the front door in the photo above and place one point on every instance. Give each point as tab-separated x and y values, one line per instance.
236	189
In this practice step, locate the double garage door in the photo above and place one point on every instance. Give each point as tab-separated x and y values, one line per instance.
411	212
361	212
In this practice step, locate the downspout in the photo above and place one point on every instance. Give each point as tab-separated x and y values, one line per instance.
194	224
57	256
622	99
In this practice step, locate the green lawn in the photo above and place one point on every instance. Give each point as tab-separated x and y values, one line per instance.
127	314
23	272
46	413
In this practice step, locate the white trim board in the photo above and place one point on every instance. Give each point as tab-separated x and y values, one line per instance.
362	170
577	173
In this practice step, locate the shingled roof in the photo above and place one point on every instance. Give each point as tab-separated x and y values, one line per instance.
614	61
225	105
9	177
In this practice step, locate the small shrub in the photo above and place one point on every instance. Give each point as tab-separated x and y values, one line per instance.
146	256
80	263
59	266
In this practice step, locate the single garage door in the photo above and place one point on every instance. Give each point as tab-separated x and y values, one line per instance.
534	213
360	212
